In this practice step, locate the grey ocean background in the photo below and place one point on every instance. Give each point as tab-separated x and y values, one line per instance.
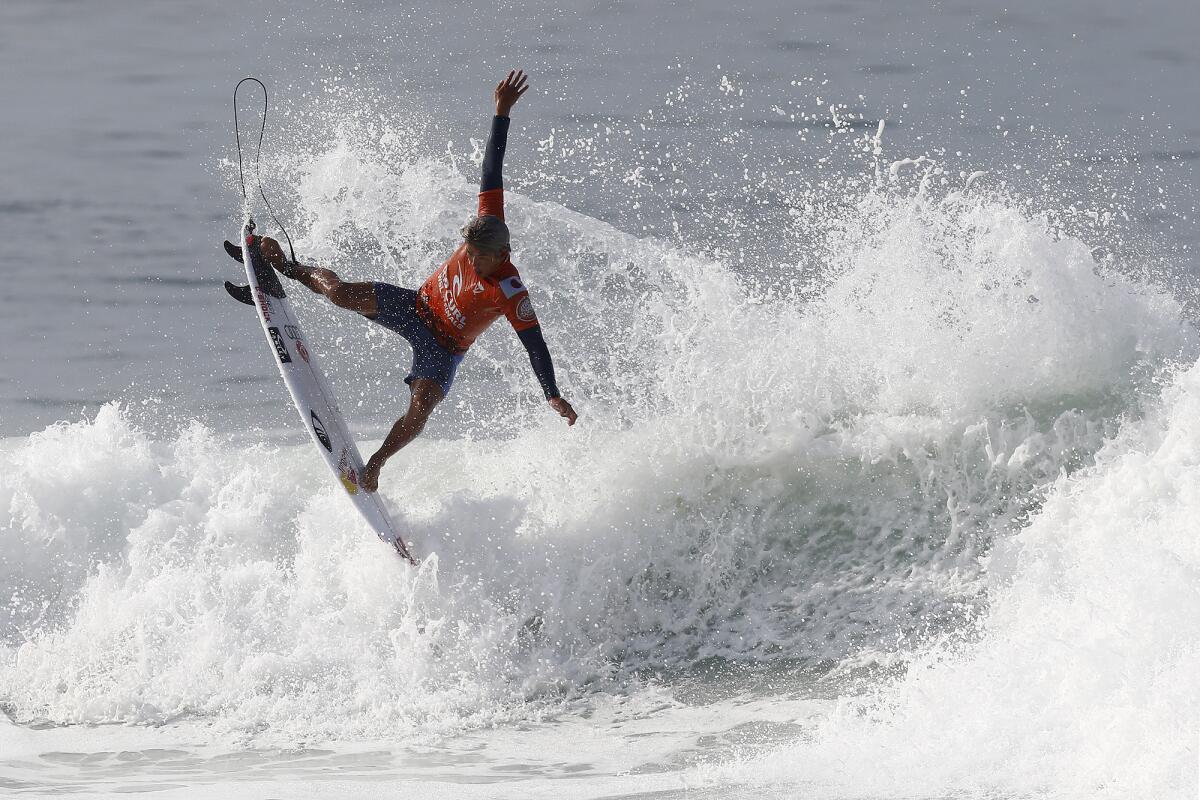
117	118
880	318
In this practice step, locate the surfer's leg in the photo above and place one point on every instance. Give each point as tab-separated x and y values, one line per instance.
426	394
355	296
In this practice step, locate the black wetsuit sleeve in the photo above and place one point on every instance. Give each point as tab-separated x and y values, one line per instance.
493	156
539	357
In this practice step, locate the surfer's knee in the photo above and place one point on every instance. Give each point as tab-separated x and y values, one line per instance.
426	394
336	291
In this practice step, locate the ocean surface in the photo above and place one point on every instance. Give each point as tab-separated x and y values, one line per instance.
881	321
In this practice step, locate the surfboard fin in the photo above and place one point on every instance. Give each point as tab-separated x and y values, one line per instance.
236	291
239	293
234	251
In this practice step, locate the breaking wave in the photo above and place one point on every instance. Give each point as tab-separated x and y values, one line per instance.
932	455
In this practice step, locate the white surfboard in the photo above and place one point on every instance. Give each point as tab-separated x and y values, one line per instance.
310	390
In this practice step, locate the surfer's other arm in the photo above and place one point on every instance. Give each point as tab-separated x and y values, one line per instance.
488	243
543	367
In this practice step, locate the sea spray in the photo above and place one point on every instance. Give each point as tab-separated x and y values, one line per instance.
808	475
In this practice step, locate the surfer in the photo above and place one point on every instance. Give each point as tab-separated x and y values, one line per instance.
466	294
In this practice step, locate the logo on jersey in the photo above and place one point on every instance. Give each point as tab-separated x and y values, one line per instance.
511	287
525	310
280	346
456	317
319	430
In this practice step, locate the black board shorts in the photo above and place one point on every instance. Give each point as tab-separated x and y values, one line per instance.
397	311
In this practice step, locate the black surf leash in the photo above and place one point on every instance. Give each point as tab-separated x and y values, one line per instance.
241	293
237	135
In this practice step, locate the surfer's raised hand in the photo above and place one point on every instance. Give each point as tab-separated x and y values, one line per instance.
564	409
509	90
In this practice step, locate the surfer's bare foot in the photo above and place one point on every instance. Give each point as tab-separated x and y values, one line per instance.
274	256
369	479
273	253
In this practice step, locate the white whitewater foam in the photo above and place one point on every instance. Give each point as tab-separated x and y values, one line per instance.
805	475
1083	681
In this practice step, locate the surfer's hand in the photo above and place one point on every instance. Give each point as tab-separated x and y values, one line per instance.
564	409
509	90
369	480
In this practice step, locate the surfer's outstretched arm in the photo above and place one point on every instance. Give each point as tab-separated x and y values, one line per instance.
508	92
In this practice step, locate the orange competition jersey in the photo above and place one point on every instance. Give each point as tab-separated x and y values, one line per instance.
458	305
